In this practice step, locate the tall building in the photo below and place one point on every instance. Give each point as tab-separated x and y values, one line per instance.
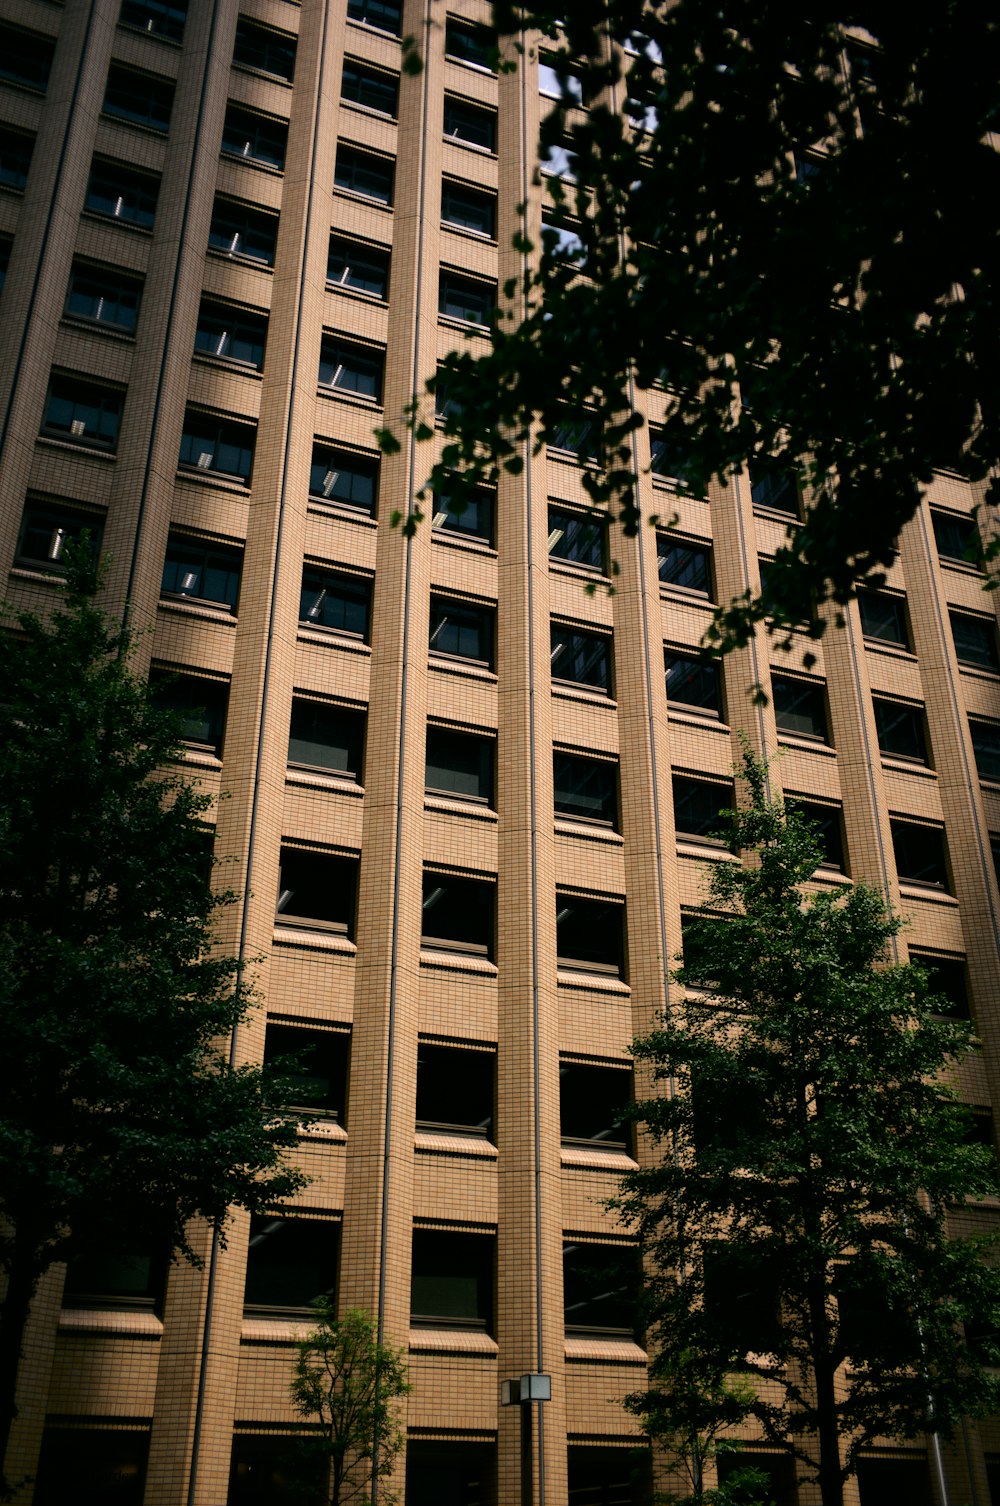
468	805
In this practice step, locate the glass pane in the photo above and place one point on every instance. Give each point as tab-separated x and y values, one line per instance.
585	788
291	1262
578	537
683	565
340	602
799	708
459	764
326	737
693	683
883	617
455	1088
583	658
337	476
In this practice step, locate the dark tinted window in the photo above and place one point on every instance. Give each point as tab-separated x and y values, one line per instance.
466	298
693	682
608	1476
200	703
317	889
383	14
686	566
975	640
471	514
580	657
450	1474
599	1287
894	1482
255	138
883	618
15	158
460	764
920	853
339	602
262	47
25	56
221	445
590	934
667	460
104	295
576	432
198	570
578	536
363	173
585	788
273	1470
291	1263
700	806
462	631
947	977
239	230
452	1279
826	819
341	476
161	18
900	728
92	1467
469	43
799	706
369	87
986	747
326	737
351	368
319	1080
956	536
115	1278
232	333
353	264
46	529
593	1102
776	488
458	914
469	208
455	1088
472	124
82	412
139	97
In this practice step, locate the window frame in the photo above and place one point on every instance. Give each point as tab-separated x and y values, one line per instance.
360	161
484	776
987	662
606	961
285	39
157	113
982	751
337	462
264	137
165	12
17	148
351	743
223	432
698	671
689	556
477	314
141	188
72	388
900	614
366	74
248	328
378	256
882	707
476	888
432	1260
351	589
248	224
452	192
482	614
60	515
215	556
811	695
37	78
710	831
608	803
899	827
341	895
458	102
116	282
603	684
337	352
585	529
363	20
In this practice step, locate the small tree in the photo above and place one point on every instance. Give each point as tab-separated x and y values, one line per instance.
347	1381
121	1118
796	1227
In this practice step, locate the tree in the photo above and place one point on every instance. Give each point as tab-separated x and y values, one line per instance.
121	1117
347	1381
782	223
796	1227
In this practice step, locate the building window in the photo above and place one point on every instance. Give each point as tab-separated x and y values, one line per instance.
122	194
460	630
609	1476
470	514
274	1469
693	683
580	538
326	737
160	18
468	42
455	1088
594	1101
115	1279
352	264
291	1264
779	1470
364	173
450	1474
947	977
585	789
883	618
340	476
956	537
828	828
599	1288
776	488
451	1283
92	1466
222	446
239	230
265	49
986	747
104	295
232	333
684	566
700	807
141	98
46	529
466	298
200	704
351	368
370	87
667	460
471	124
339	603
581	658
5	245
458	914
255	138
799	707
590	934
975	640
467	208
383	15
82	412
25	57
15	158
577	433
900	728
318	1081
460	765
317	890
920	853
894	1479
201	571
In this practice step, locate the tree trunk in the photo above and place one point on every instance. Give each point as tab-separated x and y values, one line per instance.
24	1274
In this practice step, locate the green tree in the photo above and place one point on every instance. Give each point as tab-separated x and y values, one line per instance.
784	226
796	1226
121	1117
347	1382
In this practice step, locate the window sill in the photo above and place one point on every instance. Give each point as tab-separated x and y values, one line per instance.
588	831
227	363
330	636
140	31
481	68
353	399
979	672
466	669
469	146
371	112
199	757
108	117
98	327
262	73
262	167
472	543
482	236
693	716
109	1320
77	447
597	1159
676	488
275	1330
224	480
443	1144
456	962
568	976
578	571
323	507
369	200
704	848
451	1341
960	567
205	613
565	690
901	765
890	650
47	577
932	893
368	27
329	1131
469	327
805	744
456	806
776	515
689	598
346	290
317	779
609	1351
241	259
97	218
312	940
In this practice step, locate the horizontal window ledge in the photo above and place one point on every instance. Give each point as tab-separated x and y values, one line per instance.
691	716
123	122
326	1129
609	1351
470	327
317	940
369	200
460	962
588	831
687	597
597	1157
39	576
275	1330
979	672
454	805
913	889
483	236
371	111
777	515
329	637
577	570
256	162
205	613
566	690
320	779
96	218
673	485
473	543
454	1143
223	480
469	146
703	848
451	1341
98	327
77	447
199	758
353	399
568	976
465	668
323	507
889	650
961	567
363	295
271	78
155	36
898	764
228	363
241	259
806	744
109	1320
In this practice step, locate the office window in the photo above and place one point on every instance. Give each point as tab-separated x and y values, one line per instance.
774	487
82	412
291	1263
581	658
458	914
16	148
255	138
351	368
474	125
585	789
452	1277
160	18
578	537
341	476
470	514
920	853
881	1481
5	245
466	298
778	1468
220	446
445	406
341	603
462	631
599	1288
326	737
948	978
370	87
460	765
468	42
364	173
450	1474
975	640
667	460
104	295
900	728
468	208
590	934
700	806
986	747
608	1476
883	618
956	537
317	890
697	937
693	683
352	264
559	159
455	1088
593	1103
274	1469
265	49
383	15
561	237
231	333
142	98
198	570
25	57
828	828
46	529
239	230
114	1278
578	433
122	194
683	565
199	703
92	1466
318	1083
742	1298
799	706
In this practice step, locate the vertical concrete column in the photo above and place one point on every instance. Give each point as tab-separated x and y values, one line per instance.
737	570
